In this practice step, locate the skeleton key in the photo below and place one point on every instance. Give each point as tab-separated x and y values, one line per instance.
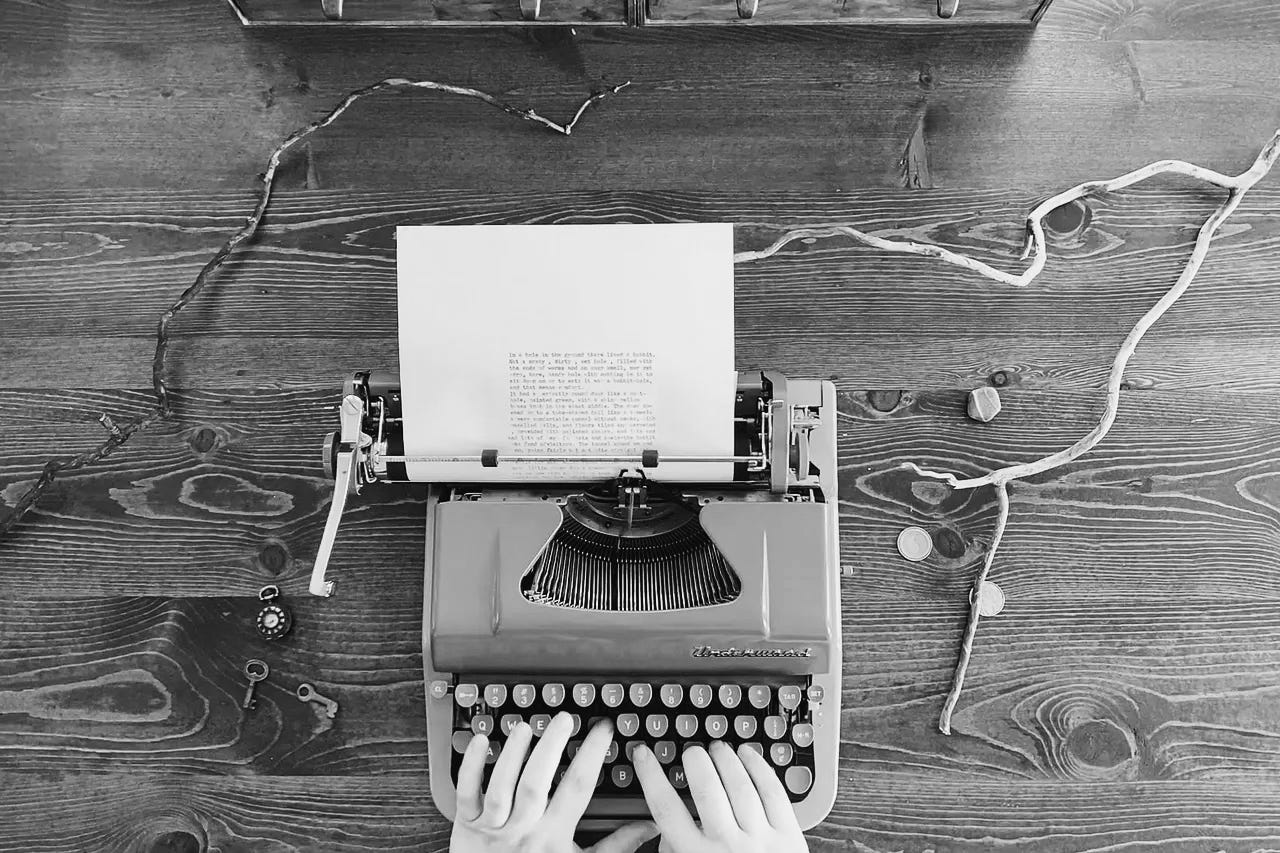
307	693
255	671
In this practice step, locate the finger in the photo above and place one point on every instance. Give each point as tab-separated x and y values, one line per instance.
502	782
471	777
626	839
535	781
714	811
743	798
665	806
777	806
579	783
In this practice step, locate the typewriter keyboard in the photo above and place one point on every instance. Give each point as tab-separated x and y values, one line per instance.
772	716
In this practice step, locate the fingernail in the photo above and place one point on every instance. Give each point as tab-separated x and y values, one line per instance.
641	753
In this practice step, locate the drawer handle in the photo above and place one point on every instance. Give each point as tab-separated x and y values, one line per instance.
948	8
530	9
747	8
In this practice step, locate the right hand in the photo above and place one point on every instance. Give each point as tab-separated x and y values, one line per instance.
742	806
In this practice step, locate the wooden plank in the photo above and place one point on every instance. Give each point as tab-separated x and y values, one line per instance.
90	275
1166	20
1073	690
854	361
157	812
206	101
231	496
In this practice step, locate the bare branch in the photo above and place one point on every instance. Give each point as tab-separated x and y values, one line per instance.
119	435
1236	187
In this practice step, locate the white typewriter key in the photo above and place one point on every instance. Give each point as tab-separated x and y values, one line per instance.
494	750
612	695
686	725
622	775
539	723
482	724
584	694
789	697
802	735
665	751
656	725
524	694
780	754
678	780
628	724
671	694
577	724
716	726
509	722
630	749
815	693
553	695
495	695
641	694
571	749
754	747
759	695
700	695
611	754
798	779
744	726
466	695
460	741
730	695
775	727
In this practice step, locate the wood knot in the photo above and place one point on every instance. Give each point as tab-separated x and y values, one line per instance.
925	77
1101	743
1068	220
999	379
884	401
273	556
203	441
948	542
176	842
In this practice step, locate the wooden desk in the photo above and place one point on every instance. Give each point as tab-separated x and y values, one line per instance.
1126	699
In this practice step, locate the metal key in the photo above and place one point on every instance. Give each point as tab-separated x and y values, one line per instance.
307	693
255	671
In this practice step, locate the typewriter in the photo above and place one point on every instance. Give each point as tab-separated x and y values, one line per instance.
683	612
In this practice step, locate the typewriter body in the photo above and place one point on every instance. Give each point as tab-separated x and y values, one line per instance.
683	612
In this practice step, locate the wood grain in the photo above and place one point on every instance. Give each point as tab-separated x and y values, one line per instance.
1093	694
156	813
207	101
903	12
90	275
231	496
1124	700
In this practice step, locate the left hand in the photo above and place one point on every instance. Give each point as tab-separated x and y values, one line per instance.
515	814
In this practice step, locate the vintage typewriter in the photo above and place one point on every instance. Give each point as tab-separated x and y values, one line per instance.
683	612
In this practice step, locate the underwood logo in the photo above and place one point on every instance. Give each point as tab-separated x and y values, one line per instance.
731	652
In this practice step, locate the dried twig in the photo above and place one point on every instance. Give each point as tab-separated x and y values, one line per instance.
121	434
1236	186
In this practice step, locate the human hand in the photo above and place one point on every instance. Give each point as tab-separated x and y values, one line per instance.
515	815
742	806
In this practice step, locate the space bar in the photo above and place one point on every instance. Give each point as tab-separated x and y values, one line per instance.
625	807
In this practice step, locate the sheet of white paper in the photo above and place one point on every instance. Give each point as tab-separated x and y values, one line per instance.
566	340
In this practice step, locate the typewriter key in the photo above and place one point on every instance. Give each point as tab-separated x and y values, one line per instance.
273	620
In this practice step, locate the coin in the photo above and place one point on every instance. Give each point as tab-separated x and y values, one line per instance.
914	543
990	599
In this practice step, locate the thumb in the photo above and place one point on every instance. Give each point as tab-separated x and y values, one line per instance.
626	839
